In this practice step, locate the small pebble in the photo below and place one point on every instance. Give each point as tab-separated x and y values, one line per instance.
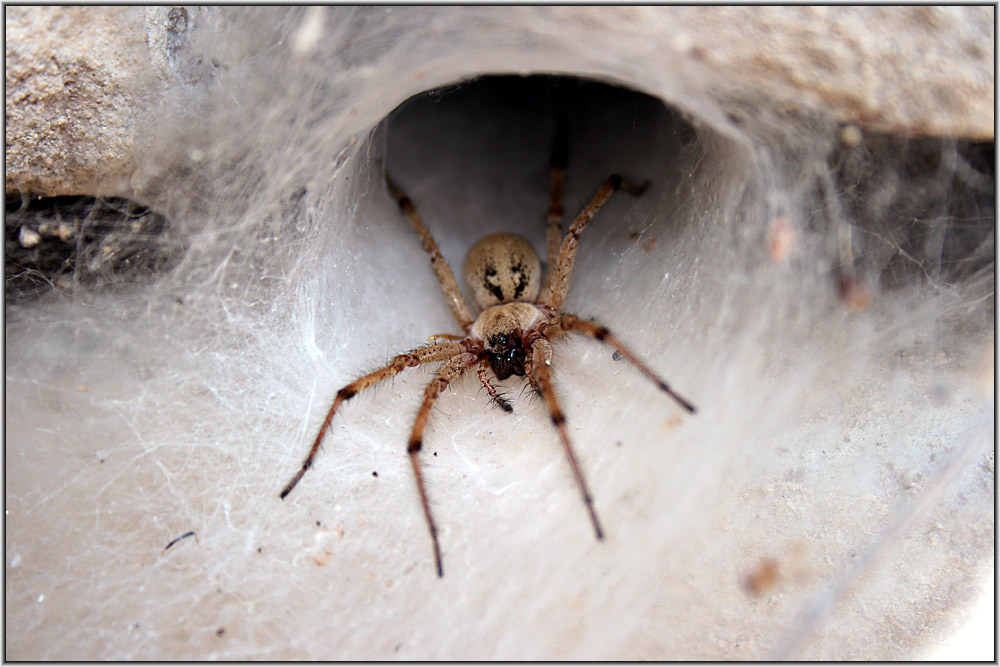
28	238
850	135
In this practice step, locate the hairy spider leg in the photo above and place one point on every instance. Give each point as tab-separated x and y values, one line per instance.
448	373
569	322
422	355
447	279
558	162
490	389
540	369
559	273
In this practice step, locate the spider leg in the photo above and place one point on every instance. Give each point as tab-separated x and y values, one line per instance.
448	373
573	323
438	263
532	382
559	273
422	355
543	377
560	156
490	389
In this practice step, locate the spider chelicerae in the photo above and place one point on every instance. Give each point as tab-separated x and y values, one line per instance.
512	335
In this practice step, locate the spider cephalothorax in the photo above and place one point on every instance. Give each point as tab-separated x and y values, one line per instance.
507	332
519	318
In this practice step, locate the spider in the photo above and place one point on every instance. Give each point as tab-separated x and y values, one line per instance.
513	333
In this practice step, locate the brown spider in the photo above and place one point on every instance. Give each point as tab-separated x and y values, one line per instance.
513	333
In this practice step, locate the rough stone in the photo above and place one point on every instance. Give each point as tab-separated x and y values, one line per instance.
81	81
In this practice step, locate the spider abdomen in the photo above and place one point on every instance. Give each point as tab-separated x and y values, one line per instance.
502	268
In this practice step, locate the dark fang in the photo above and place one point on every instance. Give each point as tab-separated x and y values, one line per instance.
507	356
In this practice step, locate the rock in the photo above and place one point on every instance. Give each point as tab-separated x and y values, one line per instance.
83	82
